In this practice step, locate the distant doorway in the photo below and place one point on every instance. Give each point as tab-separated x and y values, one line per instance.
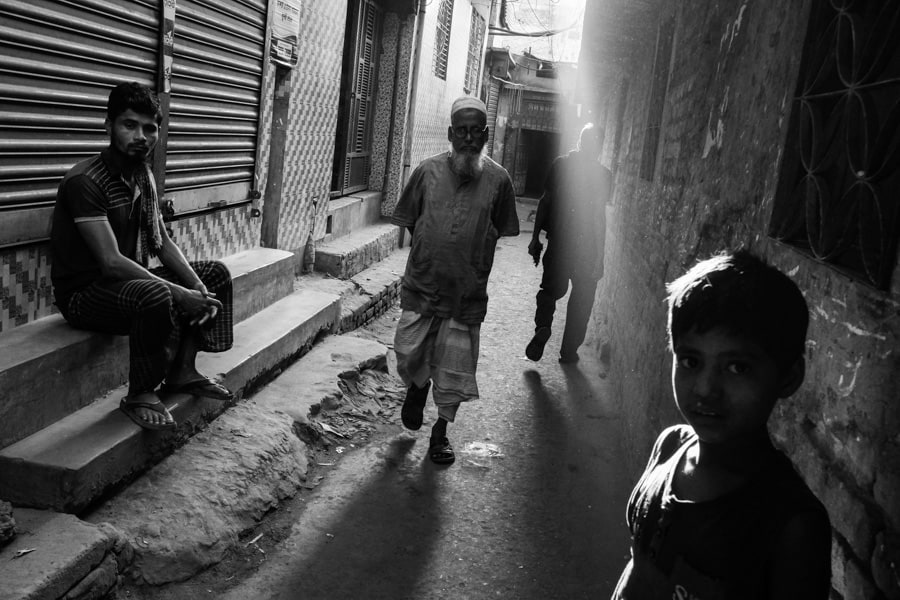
535	153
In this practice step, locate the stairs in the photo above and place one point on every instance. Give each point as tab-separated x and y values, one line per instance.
357	236
65	444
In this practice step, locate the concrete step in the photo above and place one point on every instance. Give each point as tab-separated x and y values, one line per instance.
68	556
71	463
49	370
351	213
346	256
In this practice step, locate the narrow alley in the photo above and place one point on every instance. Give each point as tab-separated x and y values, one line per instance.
278	155
533	508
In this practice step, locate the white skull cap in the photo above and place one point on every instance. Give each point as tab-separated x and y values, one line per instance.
464	102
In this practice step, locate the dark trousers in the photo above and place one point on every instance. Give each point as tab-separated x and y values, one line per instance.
143	310
558	272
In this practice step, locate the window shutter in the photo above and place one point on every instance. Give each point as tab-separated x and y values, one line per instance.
365	29
59	61
219	55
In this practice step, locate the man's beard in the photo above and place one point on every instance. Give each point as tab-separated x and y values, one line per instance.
466	163
134	157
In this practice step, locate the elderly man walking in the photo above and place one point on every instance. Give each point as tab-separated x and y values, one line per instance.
455	205
106	225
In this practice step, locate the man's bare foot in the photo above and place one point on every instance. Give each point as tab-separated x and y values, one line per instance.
147	411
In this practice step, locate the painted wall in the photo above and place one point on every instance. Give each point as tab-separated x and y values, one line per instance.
734	69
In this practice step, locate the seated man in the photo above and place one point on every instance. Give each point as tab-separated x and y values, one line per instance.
106	223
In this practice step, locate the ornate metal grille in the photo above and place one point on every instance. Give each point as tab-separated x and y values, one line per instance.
442	38
473	61
839	191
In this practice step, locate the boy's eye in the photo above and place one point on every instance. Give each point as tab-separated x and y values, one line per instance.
738	368
687	362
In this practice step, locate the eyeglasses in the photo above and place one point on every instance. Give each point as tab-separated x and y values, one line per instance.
461	132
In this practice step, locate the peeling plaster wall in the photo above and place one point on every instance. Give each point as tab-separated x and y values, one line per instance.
733	74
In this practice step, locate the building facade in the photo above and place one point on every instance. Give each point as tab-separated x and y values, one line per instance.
252	151
532	113
771	126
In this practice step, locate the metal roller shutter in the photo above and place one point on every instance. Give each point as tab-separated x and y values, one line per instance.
215	101
59	60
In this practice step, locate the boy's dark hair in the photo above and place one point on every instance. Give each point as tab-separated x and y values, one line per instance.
135	96
745	296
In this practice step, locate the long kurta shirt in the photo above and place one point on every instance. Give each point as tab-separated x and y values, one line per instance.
456	222
92	190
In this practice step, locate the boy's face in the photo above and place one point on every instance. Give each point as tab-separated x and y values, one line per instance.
725	385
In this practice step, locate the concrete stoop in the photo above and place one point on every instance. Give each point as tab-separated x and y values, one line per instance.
69	464
59	556
63	442
49	369
346	256
88	454
366	295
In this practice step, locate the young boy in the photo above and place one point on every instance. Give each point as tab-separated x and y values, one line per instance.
719	513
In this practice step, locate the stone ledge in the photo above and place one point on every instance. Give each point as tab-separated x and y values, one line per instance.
68	465
68	555
49	370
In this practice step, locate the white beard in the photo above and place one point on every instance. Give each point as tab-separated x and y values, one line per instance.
466	164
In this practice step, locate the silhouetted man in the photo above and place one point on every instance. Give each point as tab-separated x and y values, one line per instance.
572	211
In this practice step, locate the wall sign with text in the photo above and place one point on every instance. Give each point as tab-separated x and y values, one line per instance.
285	32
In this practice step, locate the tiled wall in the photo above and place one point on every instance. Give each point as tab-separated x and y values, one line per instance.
312	123
391	104
25	292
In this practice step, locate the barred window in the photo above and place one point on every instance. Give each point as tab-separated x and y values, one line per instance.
442	39
837	193
657	98
473	63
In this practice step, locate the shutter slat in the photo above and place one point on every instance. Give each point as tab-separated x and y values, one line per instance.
200	144
216	87
59	60
208	178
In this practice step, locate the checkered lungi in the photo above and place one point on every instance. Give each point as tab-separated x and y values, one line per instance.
143	310
443	350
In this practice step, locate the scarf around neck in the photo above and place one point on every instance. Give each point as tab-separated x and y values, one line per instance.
150	239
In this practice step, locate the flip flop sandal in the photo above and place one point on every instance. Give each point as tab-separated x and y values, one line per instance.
440	451
128	407
199	387
414	405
